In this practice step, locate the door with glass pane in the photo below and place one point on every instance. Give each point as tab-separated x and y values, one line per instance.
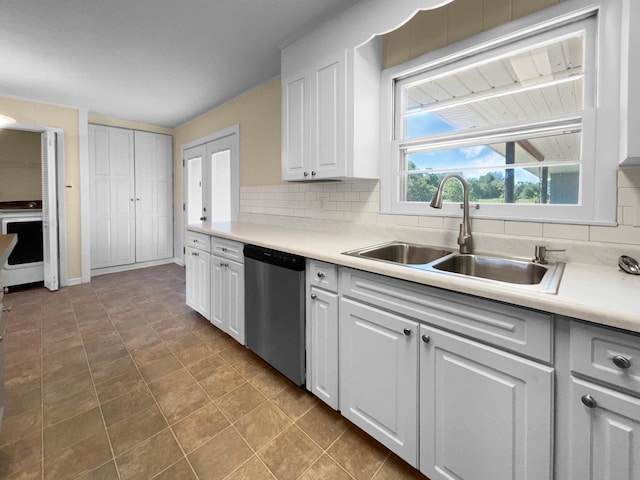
220	184
194	160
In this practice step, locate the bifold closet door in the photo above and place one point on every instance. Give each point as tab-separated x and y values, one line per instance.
153	200
112	196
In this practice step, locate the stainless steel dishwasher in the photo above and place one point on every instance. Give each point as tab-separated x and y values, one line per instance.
275	309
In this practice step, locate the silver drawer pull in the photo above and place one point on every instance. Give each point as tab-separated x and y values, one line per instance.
621	362
426	338
407	331
320	275
224	249
313	296
589	401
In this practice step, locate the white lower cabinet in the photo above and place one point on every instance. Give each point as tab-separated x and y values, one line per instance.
604	433
379	375
198	280
322	369
484	413
227	297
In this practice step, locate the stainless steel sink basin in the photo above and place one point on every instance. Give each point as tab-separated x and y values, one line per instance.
403	253
544	278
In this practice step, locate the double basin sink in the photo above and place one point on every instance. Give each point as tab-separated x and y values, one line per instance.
527	275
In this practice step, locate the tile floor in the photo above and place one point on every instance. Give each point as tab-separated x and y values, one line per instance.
118	379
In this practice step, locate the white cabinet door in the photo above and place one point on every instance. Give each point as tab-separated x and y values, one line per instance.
379	376
604	433
111	167
227	297
328	112
154	196
235	300
295	129
198	280
322	371
314	116
484	413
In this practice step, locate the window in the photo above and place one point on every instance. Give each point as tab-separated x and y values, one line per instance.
516	116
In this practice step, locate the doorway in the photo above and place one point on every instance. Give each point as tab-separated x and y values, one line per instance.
211	178
32	167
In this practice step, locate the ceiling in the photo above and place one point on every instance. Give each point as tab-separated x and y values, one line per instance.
161	62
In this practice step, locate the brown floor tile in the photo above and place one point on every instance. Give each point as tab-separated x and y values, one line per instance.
172	382
72	430
182	402
26	373
185	340
126	405
115	387
67	386
220	456
108	371
221	383
21	399
22	425
252	469
289	455
208	366
61	345
322	424
325	468
294	401
395	468
262	425
149	457
196	353
67	362
151	354
241	401
67	407
32	472
358	453
78	459
199	427
270	383
133	430
154	370
108	354
103	472
140	337
178	471
21	456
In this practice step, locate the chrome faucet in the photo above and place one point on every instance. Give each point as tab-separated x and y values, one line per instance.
464	237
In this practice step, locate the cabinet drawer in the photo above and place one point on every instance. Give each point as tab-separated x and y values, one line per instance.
523	331
323	275
228	249
199	241
606	354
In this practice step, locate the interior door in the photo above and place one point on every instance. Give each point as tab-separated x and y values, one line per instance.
193	196
221	155
49	211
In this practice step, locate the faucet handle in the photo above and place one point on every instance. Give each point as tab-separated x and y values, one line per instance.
541	253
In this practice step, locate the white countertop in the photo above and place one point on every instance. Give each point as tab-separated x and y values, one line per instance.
598	294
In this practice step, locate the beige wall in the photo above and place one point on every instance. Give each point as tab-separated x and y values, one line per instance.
40	114
20	165
258	114
433	29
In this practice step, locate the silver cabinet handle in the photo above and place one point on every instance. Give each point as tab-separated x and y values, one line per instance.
589	401
313	296
138	199
131	199
224	249
426	338
621	362
224	264
203	219
313	174
407	331
195	254
306	174
320	275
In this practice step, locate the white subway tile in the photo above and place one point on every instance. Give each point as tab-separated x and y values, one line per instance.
629	178
343	187
525	229
367	217
431	222
352	196
627	197
621	234
487	226
408	220
329	187
565	231
386	219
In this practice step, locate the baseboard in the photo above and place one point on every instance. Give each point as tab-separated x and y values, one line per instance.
73	281
131	266
178	261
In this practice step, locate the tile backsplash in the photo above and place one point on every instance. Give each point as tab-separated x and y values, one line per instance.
353	207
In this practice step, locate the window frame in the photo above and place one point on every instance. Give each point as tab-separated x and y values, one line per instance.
600	116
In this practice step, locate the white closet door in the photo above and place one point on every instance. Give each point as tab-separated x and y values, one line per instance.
154	193
112	196
49	210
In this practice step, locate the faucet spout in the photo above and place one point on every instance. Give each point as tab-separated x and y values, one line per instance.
464	236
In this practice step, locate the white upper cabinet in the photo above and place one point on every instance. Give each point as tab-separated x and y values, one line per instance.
331	92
